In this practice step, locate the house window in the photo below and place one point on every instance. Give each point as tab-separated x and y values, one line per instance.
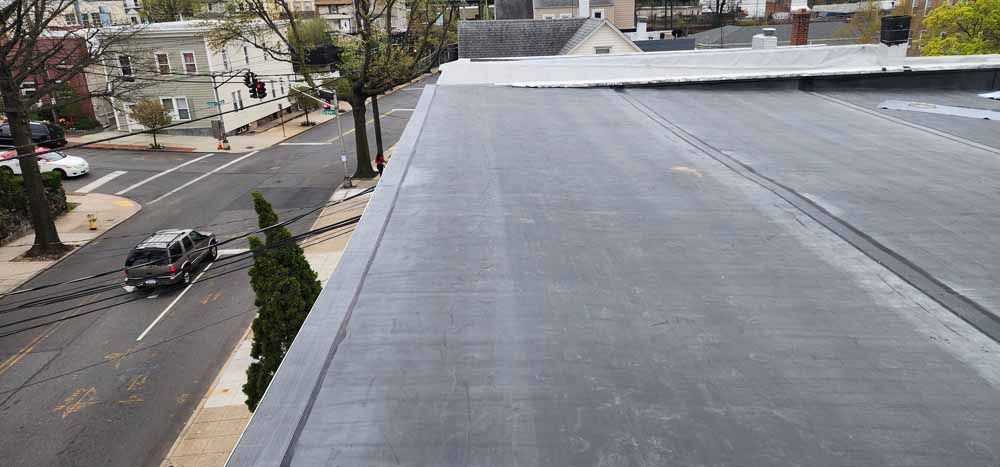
274	90
282	82
239	98
548	16
28	89
236	105
125	65
163	63
95	19
602	50
134	19
598	14
177	107
225	59
189	64
70	19
246	55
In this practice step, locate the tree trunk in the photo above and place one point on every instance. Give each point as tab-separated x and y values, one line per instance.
155	144
364	169
377	117
47	241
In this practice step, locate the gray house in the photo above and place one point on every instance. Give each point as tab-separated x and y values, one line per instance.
526	38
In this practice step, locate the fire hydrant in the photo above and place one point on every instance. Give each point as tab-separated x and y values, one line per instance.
92	221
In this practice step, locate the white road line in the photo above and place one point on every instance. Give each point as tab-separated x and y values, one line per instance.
369	122
414	89
154	177
101	181
302	144
232	251
202	177
171	305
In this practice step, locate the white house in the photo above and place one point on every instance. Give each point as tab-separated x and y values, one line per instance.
193	80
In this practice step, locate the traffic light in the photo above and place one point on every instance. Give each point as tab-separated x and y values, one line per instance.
249	78
259	90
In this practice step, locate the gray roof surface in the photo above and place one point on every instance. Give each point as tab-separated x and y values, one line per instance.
516	38
743	35
597	277
666	45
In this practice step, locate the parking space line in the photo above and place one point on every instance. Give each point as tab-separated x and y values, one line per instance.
302	144
154	177
174	302
202	177
101	181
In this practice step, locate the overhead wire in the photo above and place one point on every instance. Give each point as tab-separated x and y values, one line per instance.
216	245
207	277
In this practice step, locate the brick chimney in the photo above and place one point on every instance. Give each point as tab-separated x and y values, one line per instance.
800	27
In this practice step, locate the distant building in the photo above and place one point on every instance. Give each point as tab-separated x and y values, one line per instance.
621	13
820	32
524	38
514	9
177	49
100	13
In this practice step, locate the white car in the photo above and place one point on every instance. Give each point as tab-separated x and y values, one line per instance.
66	166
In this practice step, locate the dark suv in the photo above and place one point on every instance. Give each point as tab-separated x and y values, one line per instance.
42	133
169	257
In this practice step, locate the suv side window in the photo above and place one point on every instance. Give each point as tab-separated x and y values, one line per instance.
175	252
187	244
196	236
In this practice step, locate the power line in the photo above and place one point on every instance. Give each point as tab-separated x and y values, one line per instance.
264	229
208	277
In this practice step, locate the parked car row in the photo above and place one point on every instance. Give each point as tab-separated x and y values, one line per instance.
42	133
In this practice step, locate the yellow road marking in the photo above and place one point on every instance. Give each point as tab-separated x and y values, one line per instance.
10	362
132	400
80	399
137	383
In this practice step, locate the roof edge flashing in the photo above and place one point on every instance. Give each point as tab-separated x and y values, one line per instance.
270	437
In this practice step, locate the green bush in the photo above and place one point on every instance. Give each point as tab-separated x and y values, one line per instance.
13	198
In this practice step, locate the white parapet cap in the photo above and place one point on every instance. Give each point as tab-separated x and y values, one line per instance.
699	66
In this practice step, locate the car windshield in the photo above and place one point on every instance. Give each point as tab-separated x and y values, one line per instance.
52	156
147	256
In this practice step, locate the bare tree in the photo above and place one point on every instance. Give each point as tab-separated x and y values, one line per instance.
32	51
275	27
372	63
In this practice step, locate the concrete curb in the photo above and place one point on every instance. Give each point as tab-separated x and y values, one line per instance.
78	247
204	399
131	147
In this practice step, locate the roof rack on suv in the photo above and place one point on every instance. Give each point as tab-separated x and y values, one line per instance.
160	239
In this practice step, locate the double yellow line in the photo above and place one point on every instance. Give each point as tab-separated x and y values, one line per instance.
13	359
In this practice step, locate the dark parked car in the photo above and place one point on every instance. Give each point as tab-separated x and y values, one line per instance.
43	133
169	257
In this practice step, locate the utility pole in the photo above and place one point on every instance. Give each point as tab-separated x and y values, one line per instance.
218	104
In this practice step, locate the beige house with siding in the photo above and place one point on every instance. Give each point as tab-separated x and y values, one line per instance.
621	13
177	67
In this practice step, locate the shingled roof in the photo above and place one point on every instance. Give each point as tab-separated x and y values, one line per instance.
522	37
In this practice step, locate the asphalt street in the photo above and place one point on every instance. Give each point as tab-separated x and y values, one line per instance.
77	386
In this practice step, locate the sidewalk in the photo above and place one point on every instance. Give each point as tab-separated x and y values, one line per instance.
216	425
186	143
73	229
